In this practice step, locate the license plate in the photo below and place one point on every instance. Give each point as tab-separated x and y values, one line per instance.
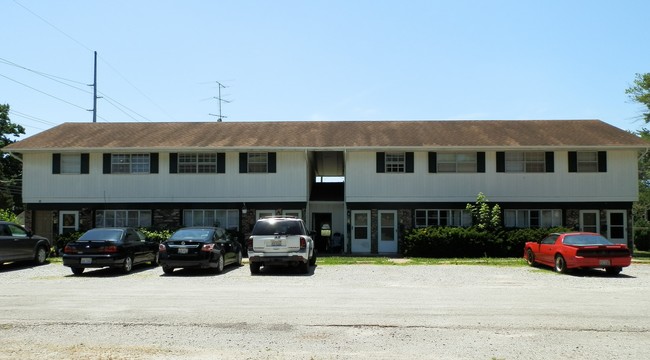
276	242
86	261
182	251
604	262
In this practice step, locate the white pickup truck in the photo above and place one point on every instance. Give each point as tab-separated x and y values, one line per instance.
281	241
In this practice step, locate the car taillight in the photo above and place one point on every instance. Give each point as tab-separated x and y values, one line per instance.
110	249
207	247
162	248
303	242
249	243
69	250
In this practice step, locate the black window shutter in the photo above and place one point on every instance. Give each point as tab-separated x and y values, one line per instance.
107	163
602	161
85	163
501	161
221	163
173	163
433	162
243	163
550	162
153	163
56	163
409	162
381	157
271	160
480	162
573	161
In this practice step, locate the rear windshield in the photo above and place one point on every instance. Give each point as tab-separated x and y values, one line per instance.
192	234
102	235
277	227
586	240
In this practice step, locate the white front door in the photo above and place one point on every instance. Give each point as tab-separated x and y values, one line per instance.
360	231
68	221
617	226
590	221
387	230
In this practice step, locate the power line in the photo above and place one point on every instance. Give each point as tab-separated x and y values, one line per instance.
43	92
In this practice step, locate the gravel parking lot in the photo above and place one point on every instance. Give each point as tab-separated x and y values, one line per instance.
335	312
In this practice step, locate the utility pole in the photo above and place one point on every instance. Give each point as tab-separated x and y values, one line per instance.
94	85
221	100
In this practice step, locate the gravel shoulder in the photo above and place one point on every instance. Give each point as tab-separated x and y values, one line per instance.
335	312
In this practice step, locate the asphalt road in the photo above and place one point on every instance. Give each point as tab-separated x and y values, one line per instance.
335	312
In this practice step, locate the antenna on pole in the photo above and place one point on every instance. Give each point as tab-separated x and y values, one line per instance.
221	100
94	85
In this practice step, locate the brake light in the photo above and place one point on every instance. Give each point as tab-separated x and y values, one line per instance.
162	248
303	242
207	247
249	243
69	250
110	249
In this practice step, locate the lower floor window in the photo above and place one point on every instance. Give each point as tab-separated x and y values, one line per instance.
120	218
532	218
227	219
424	218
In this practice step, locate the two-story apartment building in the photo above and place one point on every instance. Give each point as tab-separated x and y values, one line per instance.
389	175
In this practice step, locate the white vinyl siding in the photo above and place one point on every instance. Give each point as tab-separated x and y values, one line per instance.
120	218
532	218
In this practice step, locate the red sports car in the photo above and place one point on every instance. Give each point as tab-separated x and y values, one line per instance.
573	250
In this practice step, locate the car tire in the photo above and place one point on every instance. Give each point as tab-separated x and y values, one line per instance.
240	258
530	257
560	264
219	268
613	270
128	265
41	255
156	260
77	270
255	267
312	261
167	270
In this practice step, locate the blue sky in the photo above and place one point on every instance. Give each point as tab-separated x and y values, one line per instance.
322	60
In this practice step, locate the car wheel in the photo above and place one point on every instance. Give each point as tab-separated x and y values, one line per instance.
239	258
560	264
156	260
219	267
530	257
255	267
77	270
613	270
167	270
312	261
41	255
128	265
303	267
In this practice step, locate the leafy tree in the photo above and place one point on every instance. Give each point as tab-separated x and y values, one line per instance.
10	168
484	216
640	93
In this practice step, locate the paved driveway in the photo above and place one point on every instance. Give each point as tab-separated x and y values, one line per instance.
335	312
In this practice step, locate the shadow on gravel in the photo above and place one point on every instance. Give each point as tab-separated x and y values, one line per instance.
110	272
200	272
279	270
20	265
587	273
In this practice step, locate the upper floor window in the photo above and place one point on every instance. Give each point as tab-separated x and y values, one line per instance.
435	217
462	162
257	162
70	163
394	162
525	161
130	163
120	218
532	218
197	163
587	161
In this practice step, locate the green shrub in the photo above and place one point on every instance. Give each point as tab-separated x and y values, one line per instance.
156	235
642	238
8	215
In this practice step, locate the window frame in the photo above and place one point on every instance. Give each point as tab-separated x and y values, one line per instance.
231	217
532	218
143	218
456	162
525	162
395	162
196	162
120	162
452	217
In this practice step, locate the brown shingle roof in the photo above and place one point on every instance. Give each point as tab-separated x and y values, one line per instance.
331	135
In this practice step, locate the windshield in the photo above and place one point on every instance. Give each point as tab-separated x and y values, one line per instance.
277	227
102	235
585	240
192	234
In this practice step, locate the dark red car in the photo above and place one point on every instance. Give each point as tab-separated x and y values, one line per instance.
575	250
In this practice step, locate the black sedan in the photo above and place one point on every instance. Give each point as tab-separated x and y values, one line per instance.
199	247
17	244
120	248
